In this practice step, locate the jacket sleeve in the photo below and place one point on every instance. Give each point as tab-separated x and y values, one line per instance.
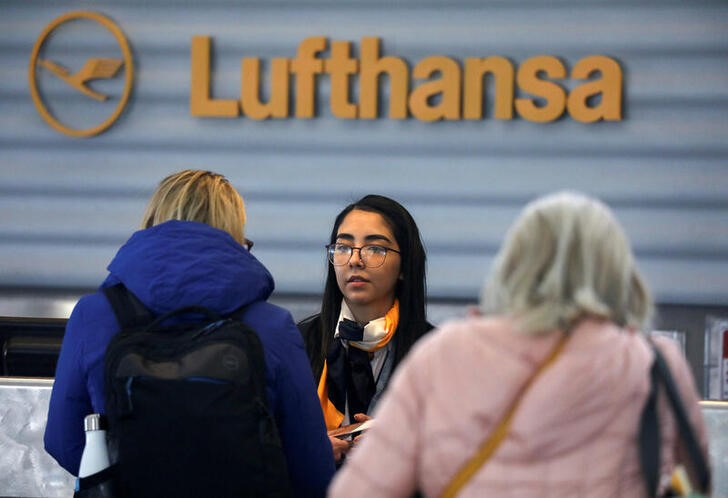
70	402
296	408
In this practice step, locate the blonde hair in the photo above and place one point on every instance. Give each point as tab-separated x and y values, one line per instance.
195	195
566	258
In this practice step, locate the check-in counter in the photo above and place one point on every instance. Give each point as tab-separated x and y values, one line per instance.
27	471
716	418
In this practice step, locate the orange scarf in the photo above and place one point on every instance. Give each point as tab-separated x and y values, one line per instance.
332	415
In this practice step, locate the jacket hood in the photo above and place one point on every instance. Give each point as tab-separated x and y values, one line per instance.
182	263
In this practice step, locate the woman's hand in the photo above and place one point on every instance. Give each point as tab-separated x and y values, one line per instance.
360	417
340	447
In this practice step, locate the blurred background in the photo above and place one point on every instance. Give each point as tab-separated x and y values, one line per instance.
67	204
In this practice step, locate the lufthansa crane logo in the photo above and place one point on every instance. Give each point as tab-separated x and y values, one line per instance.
73	92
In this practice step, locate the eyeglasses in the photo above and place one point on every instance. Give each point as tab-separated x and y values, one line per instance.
248	244
372	256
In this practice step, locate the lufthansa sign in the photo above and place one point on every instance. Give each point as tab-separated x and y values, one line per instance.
67	87
541	89
74	83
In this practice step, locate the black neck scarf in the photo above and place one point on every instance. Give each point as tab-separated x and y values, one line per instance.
349	371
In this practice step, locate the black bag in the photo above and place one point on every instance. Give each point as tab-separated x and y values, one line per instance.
187	407
102	484
649	433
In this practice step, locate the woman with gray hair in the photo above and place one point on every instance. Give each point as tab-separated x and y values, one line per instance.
547	388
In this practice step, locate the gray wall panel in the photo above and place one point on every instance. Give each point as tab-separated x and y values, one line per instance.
66	204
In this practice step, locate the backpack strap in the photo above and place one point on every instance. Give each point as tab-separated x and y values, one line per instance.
130	312
650	434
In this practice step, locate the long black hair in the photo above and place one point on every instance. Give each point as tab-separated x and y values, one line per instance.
410	289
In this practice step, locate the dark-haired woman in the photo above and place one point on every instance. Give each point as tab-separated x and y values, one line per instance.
373	309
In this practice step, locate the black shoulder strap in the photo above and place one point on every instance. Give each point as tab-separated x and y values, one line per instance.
650	433
130	312
649	437
700	465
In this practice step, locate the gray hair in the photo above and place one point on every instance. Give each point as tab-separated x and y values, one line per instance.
564	259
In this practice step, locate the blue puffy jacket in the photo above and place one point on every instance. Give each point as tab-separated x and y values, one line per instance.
181	263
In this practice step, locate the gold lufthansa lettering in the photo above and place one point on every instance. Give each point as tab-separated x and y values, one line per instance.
201	103
340	68
530	80
372	66
441	90
608	87
277	105
446	88
502	73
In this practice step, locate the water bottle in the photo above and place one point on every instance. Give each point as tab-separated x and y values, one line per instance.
95	456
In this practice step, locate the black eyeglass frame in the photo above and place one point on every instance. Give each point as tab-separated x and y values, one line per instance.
330	253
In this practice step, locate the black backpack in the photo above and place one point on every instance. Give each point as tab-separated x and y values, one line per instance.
186	405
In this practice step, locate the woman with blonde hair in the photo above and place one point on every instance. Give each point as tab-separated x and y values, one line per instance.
192	250
547	387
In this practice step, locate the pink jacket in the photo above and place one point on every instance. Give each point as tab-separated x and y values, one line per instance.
573	435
